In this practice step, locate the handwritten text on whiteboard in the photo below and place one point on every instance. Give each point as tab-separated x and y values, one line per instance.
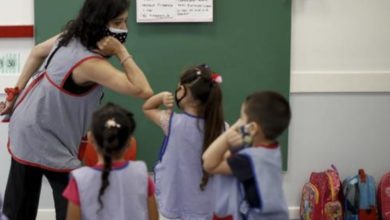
174	11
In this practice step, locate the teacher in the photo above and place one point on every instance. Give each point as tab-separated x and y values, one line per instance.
50	116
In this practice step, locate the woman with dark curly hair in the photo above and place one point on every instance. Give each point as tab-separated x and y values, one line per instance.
52	114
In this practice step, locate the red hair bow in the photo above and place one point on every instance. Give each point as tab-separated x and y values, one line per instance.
216	78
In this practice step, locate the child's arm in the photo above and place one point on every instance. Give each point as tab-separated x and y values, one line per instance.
74	212
152	208
215	157
151	107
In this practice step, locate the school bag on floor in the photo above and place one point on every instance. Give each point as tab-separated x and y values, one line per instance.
383	197
320	197
360	199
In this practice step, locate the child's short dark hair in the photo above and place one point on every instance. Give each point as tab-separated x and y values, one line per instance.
270	110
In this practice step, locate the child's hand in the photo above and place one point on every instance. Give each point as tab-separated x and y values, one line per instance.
168	100
236	126
233	135
234	139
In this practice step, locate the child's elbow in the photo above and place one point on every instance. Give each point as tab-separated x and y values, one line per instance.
208	169
207	166
145	110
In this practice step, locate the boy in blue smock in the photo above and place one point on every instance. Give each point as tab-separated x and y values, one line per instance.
248	158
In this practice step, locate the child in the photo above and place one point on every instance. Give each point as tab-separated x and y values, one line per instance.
252	185
183	191
114	188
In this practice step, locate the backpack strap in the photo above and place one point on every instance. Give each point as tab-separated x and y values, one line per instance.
51	56
333	195
362	175
334	182
351	202
367	191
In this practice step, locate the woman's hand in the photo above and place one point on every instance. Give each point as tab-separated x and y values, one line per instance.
6	107
168	100
110	46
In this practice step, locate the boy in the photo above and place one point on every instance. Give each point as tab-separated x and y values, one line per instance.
249	158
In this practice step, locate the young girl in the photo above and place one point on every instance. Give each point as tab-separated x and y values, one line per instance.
183	191
114	188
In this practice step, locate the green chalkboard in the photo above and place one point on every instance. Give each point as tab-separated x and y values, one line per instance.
248	44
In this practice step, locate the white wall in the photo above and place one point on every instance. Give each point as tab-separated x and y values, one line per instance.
340	45
350	131
17	12
337	45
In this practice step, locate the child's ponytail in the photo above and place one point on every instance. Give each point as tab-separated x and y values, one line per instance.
112	127
204	87
110	142
214	123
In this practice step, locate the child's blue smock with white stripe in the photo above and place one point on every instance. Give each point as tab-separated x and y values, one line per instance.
266	167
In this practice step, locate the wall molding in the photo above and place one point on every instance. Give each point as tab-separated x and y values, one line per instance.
49	214
307	82
46	214
293	213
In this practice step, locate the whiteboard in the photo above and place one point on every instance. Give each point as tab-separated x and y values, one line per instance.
164	11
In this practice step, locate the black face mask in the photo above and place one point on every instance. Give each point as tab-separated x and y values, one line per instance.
246	137
119	34
178	100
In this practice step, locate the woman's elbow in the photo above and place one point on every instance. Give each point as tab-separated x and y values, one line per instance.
141	93
147	93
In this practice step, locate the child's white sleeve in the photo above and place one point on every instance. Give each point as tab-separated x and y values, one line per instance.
227	126
164	120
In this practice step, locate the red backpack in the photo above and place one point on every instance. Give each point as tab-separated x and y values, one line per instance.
320	197
383	196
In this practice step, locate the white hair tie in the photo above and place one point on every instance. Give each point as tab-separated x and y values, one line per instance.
111	123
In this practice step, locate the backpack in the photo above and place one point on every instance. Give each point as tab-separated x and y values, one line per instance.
383	197
359	194
320	196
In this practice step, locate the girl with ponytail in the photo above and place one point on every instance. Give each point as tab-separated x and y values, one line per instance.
114	188
184	189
